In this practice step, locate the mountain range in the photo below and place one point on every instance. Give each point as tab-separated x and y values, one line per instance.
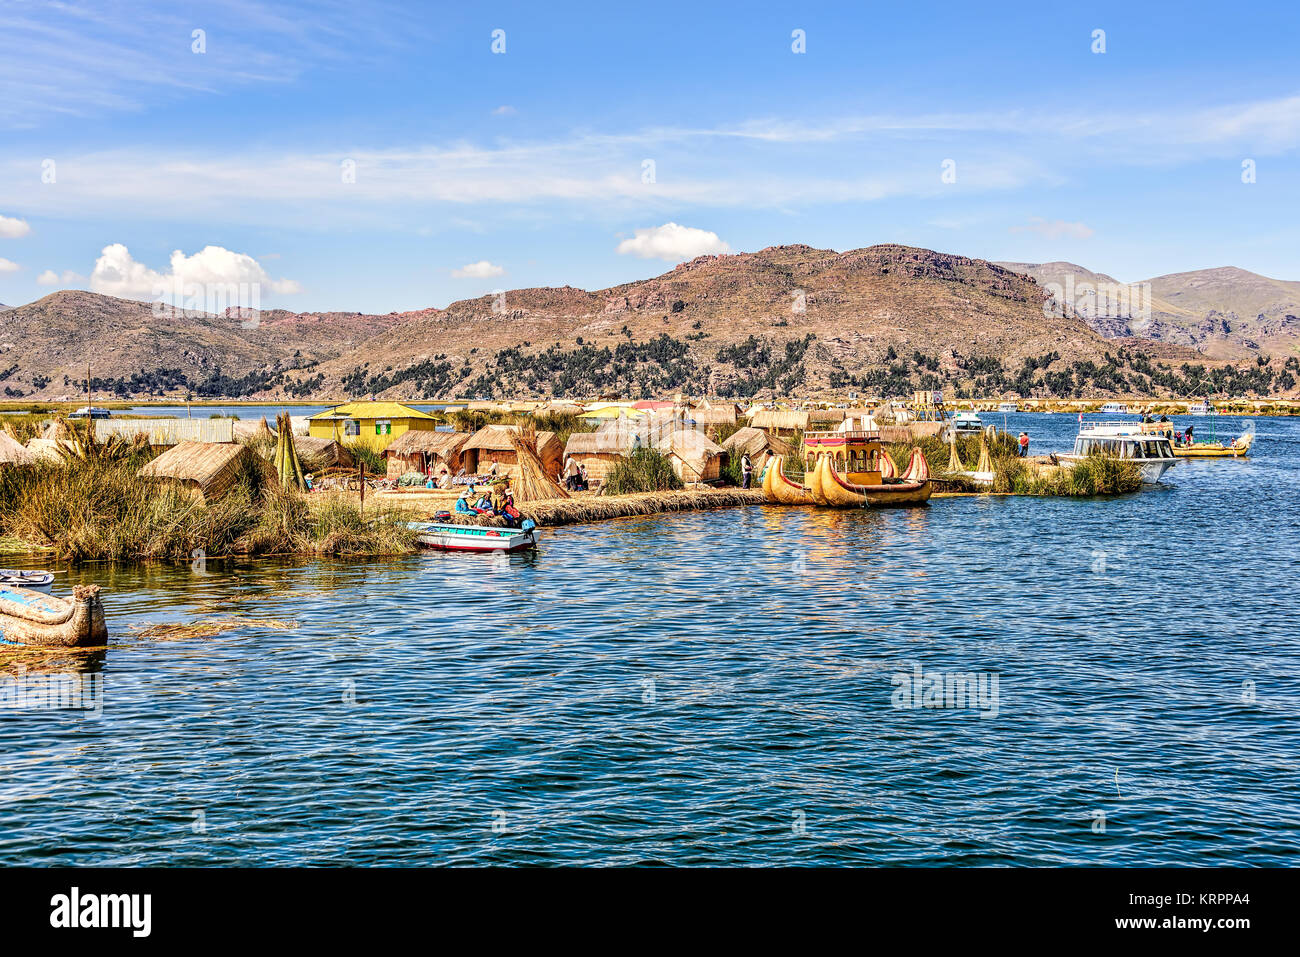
1226	313
783	320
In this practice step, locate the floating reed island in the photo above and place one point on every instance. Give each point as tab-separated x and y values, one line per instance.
80	497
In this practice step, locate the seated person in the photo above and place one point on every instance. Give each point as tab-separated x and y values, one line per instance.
462	503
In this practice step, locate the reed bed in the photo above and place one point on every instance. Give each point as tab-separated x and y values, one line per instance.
101	509
645	470
207	627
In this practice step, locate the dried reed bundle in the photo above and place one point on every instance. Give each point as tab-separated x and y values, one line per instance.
532	483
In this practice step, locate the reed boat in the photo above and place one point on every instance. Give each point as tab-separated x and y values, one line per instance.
853	470
781	489
831	488
28	617
1238	448
475	538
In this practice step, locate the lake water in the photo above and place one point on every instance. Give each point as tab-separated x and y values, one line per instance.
707	689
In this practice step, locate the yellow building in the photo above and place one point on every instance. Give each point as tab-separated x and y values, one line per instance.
370	423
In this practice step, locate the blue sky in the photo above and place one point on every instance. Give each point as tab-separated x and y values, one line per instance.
478	170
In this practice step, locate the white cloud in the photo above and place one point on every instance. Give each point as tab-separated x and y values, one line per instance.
504	110
1054	229
7	266
479	270
51	278
116	273
13	228
672	242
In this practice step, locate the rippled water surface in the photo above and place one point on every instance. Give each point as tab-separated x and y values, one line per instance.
708	689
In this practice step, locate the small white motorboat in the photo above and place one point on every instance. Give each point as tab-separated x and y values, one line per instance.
475	538
24	578
967	423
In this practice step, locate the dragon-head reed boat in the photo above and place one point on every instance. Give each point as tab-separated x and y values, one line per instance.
850	469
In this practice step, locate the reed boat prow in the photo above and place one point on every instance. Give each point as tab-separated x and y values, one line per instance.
781	489
28	617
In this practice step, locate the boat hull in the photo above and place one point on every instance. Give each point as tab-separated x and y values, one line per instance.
472	538
781	489
1223	452
21	578
29	617
829	488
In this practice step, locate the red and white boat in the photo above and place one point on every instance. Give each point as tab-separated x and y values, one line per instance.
475	538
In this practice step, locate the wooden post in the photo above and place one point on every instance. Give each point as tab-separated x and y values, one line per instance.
89	424
361	479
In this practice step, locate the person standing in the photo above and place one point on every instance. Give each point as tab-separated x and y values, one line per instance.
746	470
1024	445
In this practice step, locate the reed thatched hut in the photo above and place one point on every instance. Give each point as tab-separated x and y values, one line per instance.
824	418
489	450
421	451
759	445
707	416
598	452
209	469
13	453
318	453
695	457
780	421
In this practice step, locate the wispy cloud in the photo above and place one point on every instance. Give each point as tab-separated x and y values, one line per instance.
87	59
1054	229
761	164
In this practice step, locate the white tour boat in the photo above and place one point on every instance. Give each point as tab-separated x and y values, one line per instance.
1114	408
1007	407
967	423
1151	452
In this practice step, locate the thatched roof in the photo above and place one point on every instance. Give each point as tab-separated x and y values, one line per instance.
753	441
694	448
825	415
442	444
495	438
45	449
212	467
721	415
248	429
598	443
785	420
12	451
317	451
